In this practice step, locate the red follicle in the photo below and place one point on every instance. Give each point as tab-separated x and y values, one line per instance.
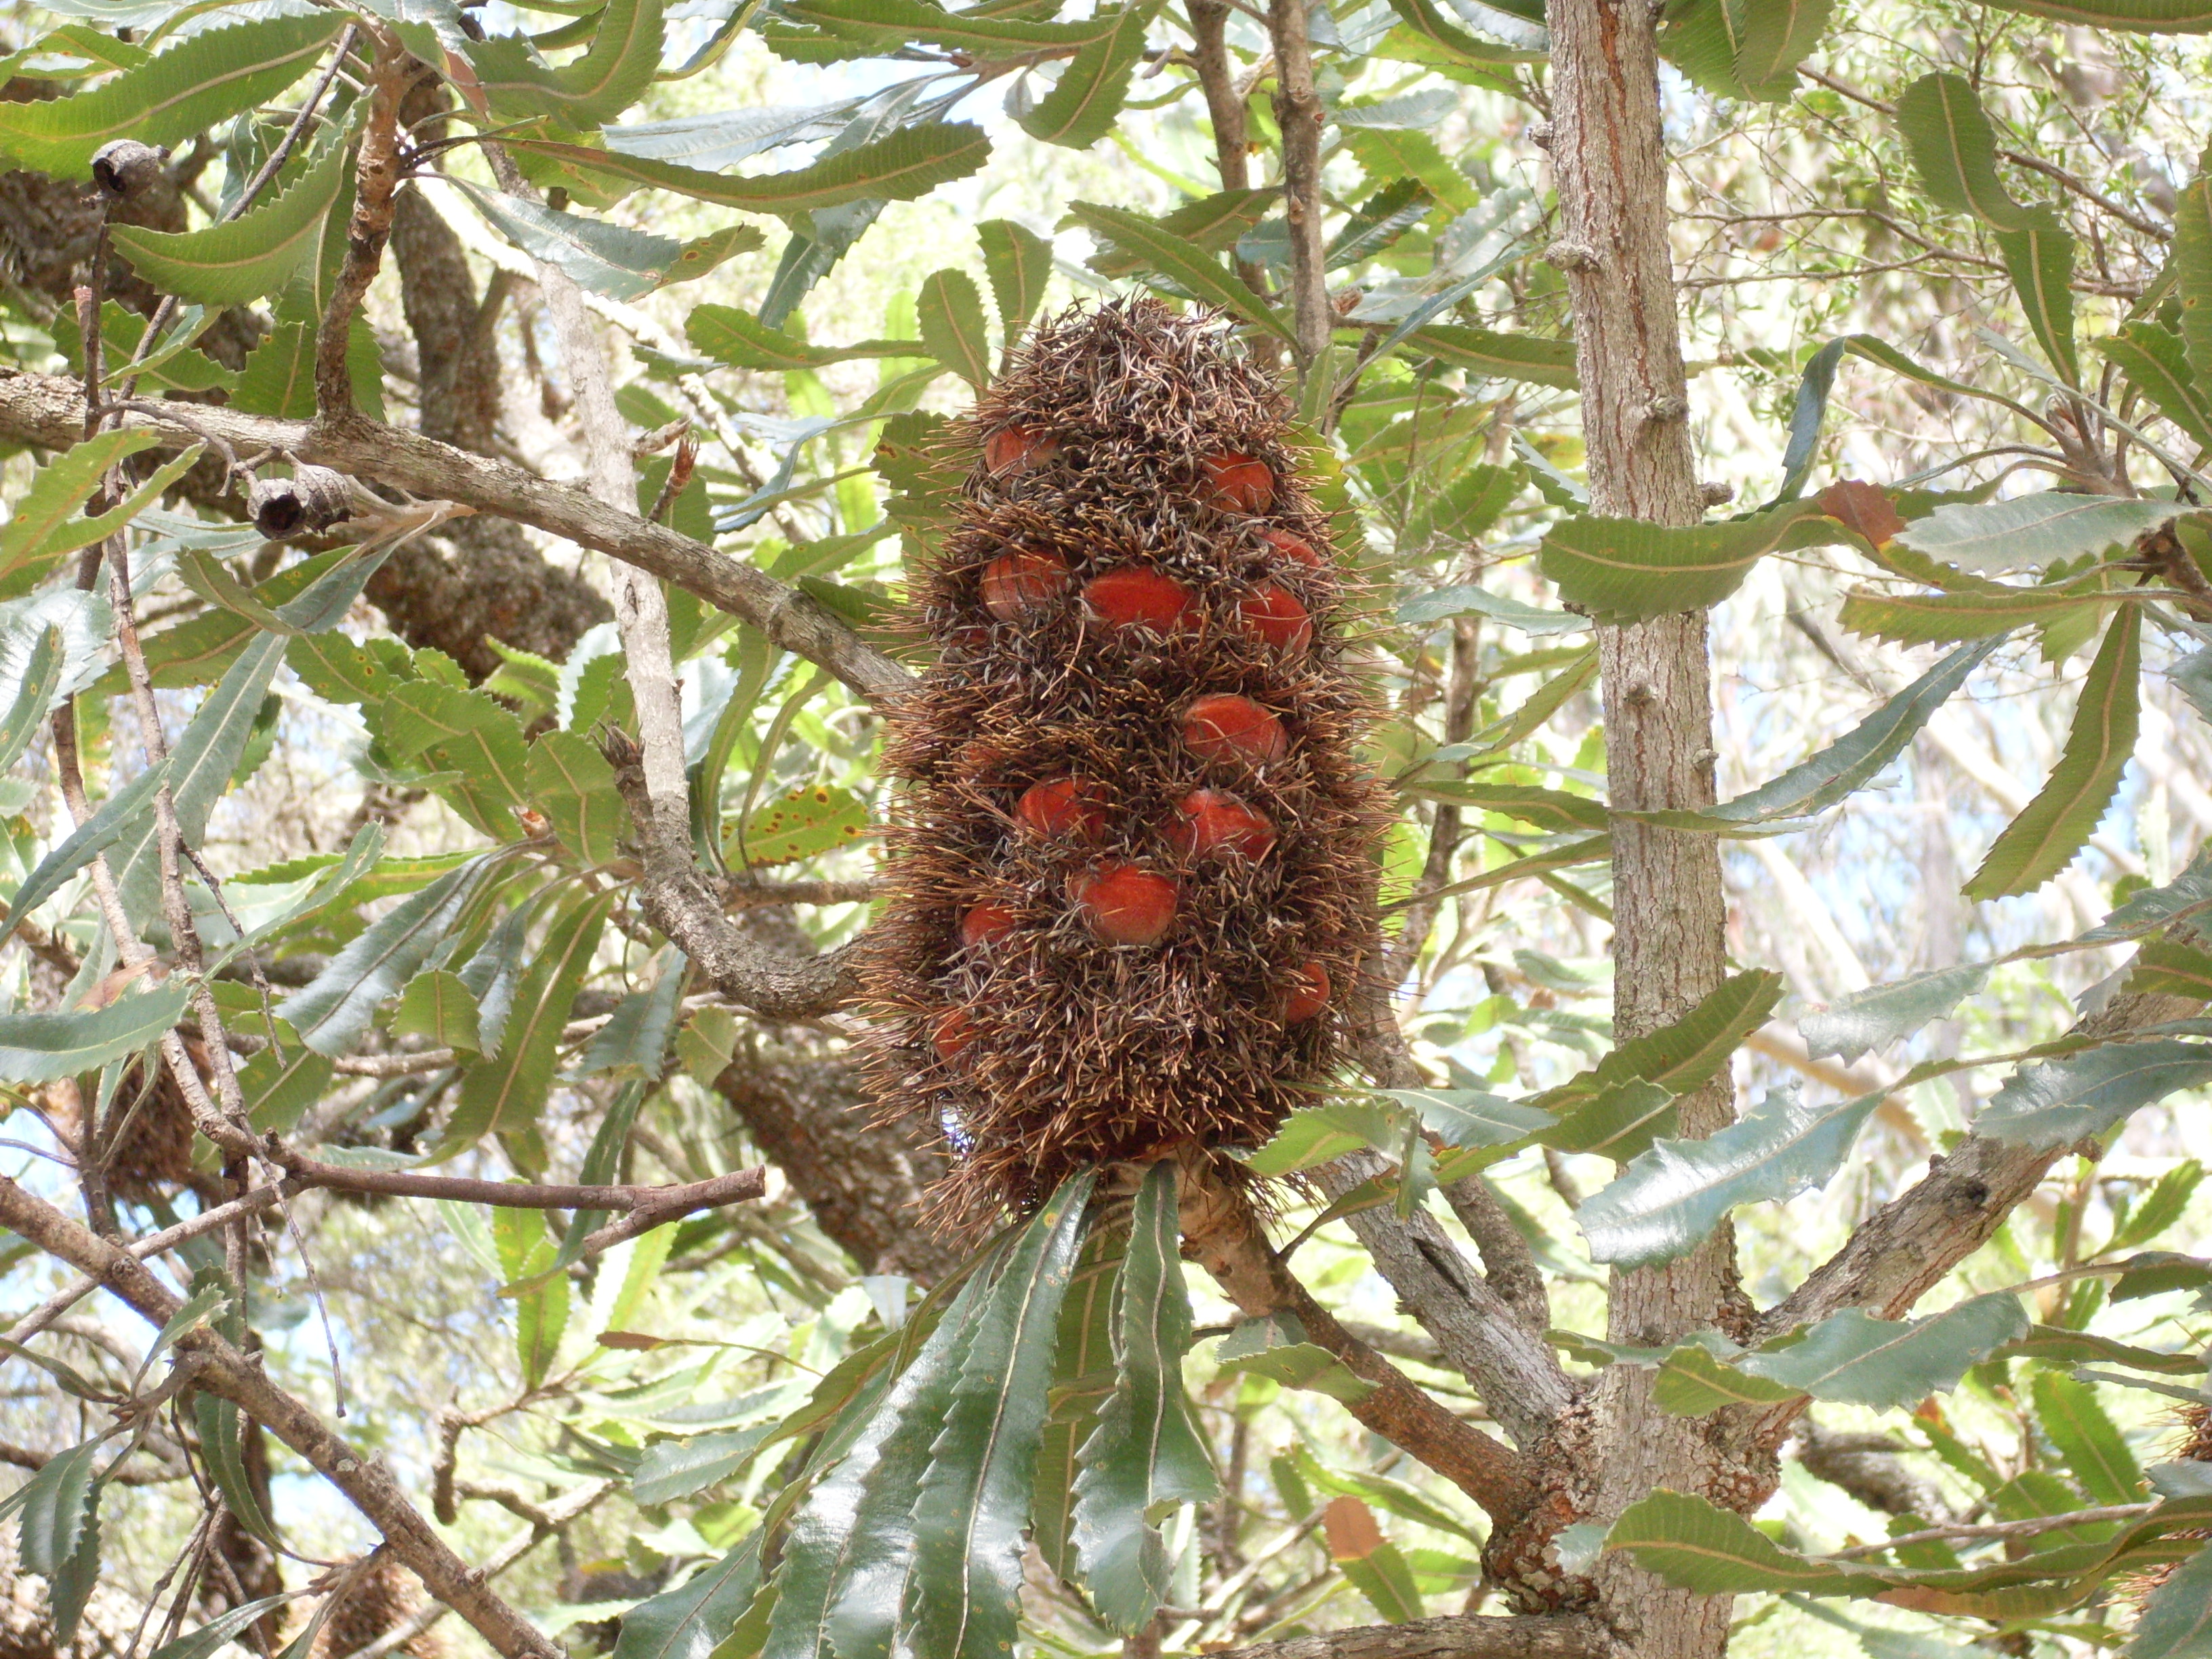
1225	730
1137	598
1124	904
1306	995
1239	483
1017	448
1273	616
1207	820
987	926
1063	809
1016	583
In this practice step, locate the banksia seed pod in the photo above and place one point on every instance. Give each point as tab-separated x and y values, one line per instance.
1133	879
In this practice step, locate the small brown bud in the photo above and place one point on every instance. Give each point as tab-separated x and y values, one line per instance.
311	500
126	168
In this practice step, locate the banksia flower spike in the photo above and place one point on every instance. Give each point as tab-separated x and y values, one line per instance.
1133	879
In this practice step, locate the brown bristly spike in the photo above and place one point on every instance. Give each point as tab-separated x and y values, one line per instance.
1131	882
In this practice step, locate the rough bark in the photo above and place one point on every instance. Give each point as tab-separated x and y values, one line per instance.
1300	114
866	1181
1669	951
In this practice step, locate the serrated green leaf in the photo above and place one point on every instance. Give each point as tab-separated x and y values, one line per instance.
2192	270
742	341
1888	1365
2031	531
1082	105
1954	150
1211	224
505	1093
606	80
571	783
2052	828
222	1445
2156	361
335	1008
279	376
194	85
1427	24
909	163
2168	967
982	29
254	254
220	1631
1700	1546
804	822
1528	358
1939	618
1676	1193
1378	221
1620	1120
2055	1346
1313	1135
2039	258
1084	1379
1145	1451
1018	263
2146	16
616	260
541	1313
2086	1095
1276	1348
1548	808
1848	764
86	842
962	1599
1701	38
1778	35
1448	602
1384	153
1467	1117
1693	1381
951	315
1467	507
634	1042
201	765
1883	1014
854	1521
39	525
438	1006
2176	1621
2096	1453
1623	570
39	1048
32	681
468	734
1163	251
1683	1056
689	1621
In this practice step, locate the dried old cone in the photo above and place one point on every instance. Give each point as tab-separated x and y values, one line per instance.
1134	877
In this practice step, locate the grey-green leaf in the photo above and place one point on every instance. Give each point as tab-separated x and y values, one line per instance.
2029	532
1145	1451
1883	1014
2052	828
1671	1196
951	315
335	1008
963	1597
2083	1095
1857	1359
1018	263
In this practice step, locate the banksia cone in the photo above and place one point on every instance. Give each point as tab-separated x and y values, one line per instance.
1134	876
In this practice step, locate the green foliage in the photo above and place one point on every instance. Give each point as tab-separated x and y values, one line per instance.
1622	570
253	255
1672	1195
2051	830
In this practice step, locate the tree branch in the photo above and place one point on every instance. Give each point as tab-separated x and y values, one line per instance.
48	410
1300	114
1224	1236
239	1378
1911	1243
376	176
1459	1637
1481	1337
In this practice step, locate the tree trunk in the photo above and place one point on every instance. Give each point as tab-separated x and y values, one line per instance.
1668	952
